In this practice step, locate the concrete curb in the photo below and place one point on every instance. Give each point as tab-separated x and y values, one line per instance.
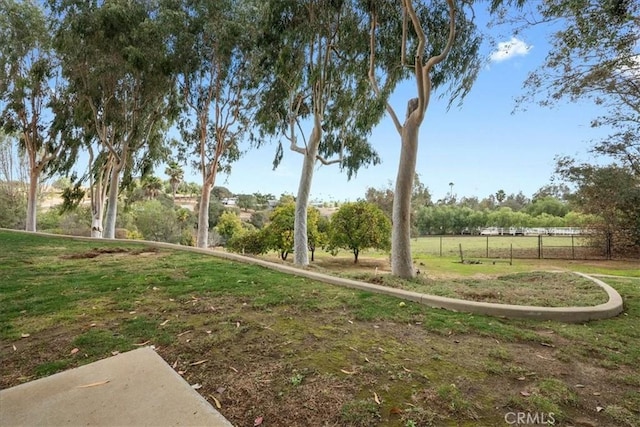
611	308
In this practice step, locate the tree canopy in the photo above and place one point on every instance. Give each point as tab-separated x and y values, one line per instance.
358	226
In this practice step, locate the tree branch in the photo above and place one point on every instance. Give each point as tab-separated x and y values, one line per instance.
372	73
419	67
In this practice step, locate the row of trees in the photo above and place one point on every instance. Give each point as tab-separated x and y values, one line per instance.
110	78
355	226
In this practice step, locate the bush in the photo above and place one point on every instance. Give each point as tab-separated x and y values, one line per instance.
251	242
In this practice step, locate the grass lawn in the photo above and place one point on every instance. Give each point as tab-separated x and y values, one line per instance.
302	353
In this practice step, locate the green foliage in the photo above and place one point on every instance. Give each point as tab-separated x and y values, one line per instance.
13	206
251	242
358	226
549	205
279	231
317	230
72	196
247	201
360	413
229	225
612	195
176	175
216	208
157	222
128	89
593	57
259	219
320	72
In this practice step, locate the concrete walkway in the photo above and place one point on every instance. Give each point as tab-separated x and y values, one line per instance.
137	388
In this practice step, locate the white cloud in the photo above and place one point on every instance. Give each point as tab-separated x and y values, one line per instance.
509	49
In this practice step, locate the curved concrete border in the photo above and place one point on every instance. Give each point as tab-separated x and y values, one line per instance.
611	308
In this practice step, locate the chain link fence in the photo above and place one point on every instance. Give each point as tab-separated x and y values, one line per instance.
583	247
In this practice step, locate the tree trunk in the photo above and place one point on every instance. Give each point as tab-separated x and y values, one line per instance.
112	204
300	241
356	252
203	216
97	211
401	261
32	200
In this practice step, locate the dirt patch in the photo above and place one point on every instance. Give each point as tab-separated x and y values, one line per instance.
96	252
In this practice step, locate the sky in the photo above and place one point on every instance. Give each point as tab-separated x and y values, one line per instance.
480	147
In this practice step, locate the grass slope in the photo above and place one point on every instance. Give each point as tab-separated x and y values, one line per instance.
298	352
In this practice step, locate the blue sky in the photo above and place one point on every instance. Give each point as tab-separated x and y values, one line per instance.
481	147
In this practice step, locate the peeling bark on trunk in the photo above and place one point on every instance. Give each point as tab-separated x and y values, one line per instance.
112	204
300	241
32	200
97	209
401	261
202	240
96	224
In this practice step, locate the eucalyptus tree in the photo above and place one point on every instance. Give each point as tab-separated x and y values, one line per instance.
594	56
212	46
114	55
29	88
315	96
435	42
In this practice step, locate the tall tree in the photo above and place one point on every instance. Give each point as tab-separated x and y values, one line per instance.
29	88
612	194
316	97
444	45
213	39
594	56
176	175
114	55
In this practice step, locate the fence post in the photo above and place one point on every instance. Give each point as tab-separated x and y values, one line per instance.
539	246
573	249
440	245
487	246
511	255
461	257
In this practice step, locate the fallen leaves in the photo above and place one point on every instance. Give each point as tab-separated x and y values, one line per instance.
165	322
94	384
525	393
196	386
258	421
199	362
376	398
544	358
344	371
142	343
216	401
25	335
75	350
